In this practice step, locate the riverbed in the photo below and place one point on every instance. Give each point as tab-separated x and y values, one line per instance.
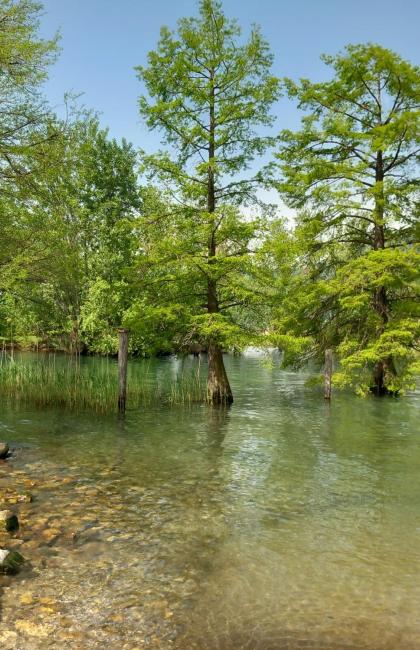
282	522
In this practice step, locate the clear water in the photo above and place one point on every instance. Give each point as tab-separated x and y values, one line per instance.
282	522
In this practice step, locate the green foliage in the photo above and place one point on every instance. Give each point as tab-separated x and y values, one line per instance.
29	141
367	341
205	60
25	121
86	209
172	276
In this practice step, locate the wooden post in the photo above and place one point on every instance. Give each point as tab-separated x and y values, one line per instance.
328	373
122	368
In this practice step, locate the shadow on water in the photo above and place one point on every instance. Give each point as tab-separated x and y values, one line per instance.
279	522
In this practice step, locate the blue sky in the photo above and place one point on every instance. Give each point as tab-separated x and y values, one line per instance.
102	41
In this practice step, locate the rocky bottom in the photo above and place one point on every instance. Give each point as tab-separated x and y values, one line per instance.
75	552
121	567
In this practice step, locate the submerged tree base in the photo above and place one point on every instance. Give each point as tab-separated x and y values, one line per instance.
382	391
383	369
218	387
215	397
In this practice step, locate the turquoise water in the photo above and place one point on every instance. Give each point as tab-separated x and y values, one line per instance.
281	522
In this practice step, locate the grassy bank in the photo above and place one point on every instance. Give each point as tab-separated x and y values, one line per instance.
51	380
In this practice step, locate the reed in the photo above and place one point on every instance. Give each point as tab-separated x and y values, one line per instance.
52	380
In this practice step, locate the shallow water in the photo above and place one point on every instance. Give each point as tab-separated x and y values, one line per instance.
282	522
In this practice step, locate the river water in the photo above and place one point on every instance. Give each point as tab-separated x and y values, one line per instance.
280	523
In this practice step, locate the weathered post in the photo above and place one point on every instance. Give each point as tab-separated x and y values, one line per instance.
122	368
328	373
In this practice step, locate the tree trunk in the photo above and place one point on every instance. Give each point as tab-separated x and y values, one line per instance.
218	387
328	373
380	298
382	368
122	369
378	387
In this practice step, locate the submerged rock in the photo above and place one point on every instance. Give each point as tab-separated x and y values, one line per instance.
25	497
10	561
32	629
4	449
8	521
50	535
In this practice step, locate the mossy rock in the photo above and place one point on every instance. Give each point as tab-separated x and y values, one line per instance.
8	521
10	561
4	449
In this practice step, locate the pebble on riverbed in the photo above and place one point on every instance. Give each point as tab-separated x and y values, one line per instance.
4	449
10	561
8	521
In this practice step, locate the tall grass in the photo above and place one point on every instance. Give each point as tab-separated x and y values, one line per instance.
50	380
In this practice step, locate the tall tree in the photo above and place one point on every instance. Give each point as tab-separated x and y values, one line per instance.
352	172
209	93
106	191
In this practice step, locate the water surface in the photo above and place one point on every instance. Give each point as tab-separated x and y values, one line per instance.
282	522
